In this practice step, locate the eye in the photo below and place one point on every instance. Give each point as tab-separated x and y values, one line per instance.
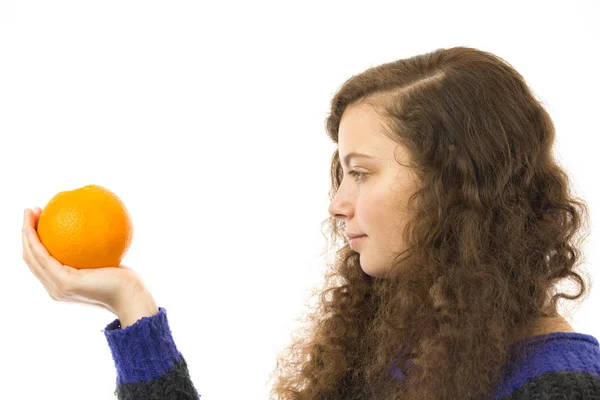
357	175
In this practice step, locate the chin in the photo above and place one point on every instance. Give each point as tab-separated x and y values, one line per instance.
369	269
376	270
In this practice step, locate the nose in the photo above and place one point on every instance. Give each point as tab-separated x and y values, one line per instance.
340	208
333	210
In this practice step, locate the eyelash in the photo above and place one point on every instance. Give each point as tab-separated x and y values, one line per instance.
355	174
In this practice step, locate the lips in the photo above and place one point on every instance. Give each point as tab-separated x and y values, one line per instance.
354	235
353	241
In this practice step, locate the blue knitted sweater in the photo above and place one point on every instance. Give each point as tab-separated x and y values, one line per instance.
560	365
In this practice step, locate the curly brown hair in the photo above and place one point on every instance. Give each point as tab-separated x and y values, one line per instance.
493	229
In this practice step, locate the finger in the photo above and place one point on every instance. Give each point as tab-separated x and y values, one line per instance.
56	274
35	269
33	265
38	251
36	212
31	217
25	217
27	256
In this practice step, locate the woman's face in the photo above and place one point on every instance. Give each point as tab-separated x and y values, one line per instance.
372	203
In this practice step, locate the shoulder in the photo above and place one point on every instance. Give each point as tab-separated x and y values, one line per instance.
560	365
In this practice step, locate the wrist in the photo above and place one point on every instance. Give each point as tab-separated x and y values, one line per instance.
135	308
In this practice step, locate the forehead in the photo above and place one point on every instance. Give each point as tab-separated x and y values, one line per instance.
361	130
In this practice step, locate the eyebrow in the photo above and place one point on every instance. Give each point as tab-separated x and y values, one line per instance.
354	154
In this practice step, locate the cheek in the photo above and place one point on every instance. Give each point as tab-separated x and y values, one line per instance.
373	214
363	213
381	219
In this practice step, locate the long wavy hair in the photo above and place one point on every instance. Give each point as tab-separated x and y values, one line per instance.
493	229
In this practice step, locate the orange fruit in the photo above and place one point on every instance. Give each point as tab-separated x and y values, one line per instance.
87	227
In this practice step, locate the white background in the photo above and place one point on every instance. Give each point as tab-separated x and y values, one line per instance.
208	121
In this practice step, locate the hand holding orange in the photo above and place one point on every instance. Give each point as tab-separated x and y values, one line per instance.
90	229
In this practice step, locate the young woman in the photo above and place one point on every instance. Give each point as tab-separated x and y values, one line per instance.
459	225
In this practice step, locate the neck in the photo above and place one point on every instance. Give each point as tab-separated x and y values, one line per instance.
546	325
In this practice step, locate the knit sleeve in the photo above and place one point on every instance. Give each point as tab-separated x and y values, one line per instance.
148	364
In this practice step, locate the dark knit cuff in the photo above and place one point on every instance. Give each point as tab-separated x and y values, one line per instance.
144	350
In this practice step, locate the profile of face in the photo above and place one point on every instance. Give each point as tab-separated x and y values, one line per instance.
373	194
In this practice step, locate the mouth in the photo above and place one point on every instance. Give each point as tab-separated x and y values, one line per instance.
352	235
353	241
